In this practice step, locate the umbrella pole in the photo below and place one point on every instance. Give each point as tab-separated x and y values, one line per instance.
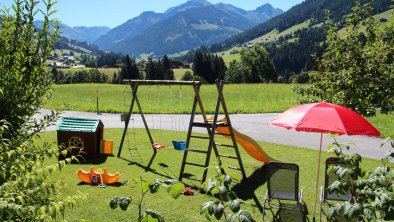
318	175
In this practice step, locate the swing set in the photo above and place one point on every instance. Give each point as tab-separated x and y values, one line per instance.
212	124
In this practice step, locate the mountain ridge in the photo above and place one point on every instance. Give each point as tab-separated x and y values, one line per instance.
146	33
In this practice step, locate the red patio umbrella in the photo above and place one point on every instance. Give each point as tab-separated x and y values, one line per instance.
322	118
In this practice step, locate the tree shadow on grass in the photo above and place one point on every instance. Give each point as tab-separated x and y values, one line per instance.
245	190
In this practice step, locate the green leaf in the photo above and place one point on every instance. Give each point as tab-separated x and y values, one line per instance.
154	215
124	203
227	180
231	218
231	195
219	211
175	190
235	205
154	187
211	184
244	216
114	203
204	207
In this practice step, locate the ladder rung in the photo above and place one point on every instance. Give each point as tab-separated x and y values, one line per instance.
225	145
195	164
202	124
197	151
227	156
200	137
233	168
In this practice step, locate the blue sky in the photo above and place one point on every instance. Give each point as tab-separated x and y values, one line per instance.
115	12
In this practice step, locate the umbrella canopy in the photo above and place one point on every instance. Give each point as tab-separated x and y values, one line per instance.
325	118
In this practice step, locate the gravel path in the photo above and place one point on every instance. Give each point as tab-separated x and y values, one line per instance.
253	125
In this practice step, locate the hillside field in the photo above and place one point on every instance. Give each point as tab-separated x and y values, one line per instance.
107	71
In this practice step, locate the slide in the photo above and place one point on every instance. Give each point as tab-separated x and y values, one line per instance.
249	145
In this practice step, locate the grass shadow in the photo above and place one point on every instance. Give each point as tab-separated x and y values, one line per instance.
245	190
146	168
247	187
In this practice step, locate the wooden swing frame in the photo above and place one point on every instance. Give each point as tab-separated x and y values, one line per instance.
134	84
209	125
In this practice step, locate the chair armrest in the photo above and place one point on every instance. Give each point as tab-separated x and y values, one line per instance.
300	195
265	200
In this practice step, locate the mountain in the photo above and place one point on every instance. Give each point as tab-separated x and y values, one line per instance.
82	33
79	33
184	27
292	37
142	22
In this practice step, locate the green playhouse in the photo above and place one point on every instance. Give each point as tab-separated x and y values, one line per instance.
78	134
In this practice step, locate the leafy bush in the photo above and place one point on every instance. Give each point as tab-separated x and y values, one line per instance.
174	188
357	68
372	192
220	186
25	86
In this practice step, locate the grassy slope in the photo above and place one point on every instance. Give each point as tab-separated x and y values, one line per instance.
275	34
167	164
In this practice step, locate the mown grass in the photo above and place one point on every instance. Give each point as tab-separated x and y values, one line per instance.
167	165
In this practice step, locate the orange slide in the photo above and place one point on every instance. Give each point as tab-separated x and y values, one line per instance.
93	177
249	145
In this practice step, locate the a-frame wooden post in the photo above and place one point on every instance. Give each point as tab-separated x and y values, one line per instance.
211	130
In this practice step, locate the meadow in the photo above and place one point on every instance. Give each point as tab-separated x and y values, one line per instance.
240	98
106	71
167	165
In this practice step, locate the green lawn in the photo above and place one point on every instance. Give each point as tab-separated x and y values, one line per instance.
167	165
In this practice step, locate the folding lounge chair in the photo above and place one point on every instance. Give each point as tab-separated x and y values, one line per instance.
283	184
330	178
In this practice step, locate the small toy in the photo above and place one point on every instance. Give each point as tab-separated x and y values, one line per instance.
97	177
188	191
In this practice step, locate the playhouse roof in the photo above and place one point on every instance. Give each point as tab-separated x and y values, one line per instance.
78	124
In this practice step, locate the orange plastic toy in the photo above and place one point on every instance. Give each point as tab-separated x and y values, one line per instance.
93	177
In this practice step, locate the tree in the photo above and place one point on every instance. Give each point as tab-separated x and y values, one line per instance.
357	69
235	73
128	69
256	65
25	86
208	66
167	71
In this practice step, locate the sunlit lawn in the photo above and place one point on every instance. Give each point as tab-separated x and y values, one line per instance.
167	165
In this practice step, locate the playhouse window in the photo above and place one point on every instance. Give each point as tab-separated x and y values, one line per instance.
76	142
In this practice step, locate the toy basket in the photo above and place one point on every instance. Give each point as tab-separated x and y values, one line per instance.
179	145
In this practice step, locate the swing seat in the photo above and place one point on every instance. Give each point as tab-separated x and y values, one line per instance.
179	145
158	146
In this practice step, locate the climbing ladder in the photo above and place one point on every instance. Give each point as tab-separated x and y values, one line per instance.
210	125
